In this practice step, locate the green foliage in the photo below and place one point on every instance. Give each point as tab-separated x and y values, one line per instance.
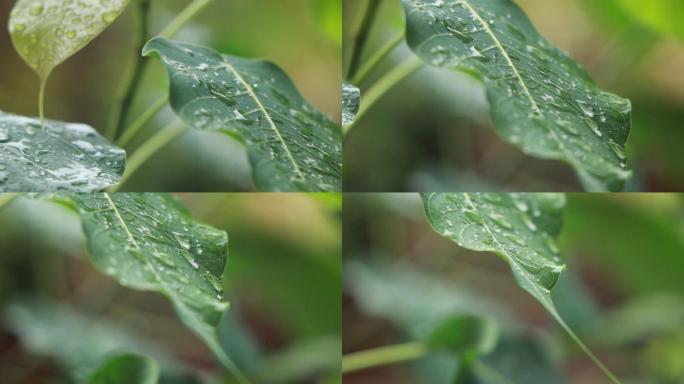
126	369
292	146
541	100
150	242
60	156
47	32
351	101
664	16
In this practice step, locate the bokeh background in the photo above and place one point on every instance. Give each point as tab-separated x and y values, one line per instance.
433	131
283	281
622	292
306	44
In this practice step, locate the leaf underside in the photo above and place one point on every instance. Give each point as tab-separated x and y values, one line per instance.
291	145
47	32
540	99
62	156
126	369
149	242
521	228
351	101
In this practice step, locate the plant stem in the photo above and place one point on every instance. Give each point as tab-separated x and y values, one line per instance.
382	86
183	17
226	361
361	36
41	101
383	356
149	148
141	121
374	60
586	350
130	85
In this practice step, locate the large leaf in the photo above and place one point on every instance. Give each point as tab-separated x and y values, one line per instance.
125	369
521	228
61	156
541	100
351	101
664	16
47	32
292	146
150	242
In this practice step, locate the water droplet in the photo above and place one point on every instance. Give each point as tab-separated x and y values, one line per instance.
109	16
36	10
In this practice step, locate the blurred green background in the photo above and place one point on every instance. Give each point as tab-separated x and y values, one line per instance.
58	314
306	44
622	292
433	131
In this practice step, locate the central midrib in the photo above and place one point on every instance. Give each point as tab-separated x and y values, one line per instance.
253	95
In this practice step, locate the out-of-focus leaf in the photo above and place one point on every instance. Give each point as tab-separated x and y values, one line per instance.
463	334
664	16
150	242
62	156
291	145
351	100
312	358
47	32
541	100
328	15
77	341
126	369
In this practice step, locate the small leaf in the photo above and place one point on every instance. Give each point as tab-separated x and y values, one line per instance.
62	156
465	334
149	242
541	100
351	100
521	228
291	145
47	32
127	369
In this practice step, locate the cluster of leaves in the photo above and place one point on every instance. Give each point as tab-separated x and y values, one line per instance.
291	145
540	99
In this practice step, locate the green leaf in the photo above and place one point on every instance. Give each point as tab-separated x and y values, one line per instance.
664	16
291	145
127	369
541	100
520	228
150	242
465	334
47	32
62	156
351	101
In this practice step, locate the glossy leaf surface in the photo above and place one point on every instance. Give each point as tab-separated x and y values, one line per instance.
63	156
351	101
291	145
521	228
150	242
540	99
47	32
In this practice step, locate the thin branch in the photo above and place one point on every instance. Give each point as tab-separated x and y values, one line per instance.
361	36
383	356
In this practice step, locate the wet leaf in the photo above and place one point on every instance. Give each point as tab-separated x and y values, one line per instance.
541	100
351	101
126	369
291	145
149	242
47	32
521	228
62	156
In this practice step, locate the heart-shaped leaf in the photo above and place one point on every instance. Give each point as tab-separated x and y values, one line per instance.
540	99
47	32
62	156
351	101
150	242
521	228
125	369
291	145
